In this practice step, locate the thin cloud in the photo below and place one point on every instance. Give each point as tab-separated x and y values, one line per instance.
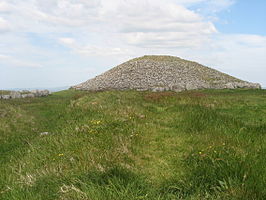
91	50
7	60
4	26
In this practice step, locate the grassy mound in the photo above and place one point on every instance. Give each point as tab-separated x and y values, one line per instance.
134	145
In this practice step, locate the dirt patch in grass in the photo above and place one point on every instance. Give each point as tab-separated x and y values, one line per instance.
194	94
158	96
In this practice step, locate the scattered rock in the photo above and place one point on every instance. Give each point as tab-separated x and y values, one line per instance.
44	133
30	95
160	89
163	73
6	97
25	94
35	92
229	85
15	95
72	159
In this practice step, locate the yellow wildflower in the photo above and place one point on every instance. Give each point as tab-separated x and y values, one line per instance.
96	122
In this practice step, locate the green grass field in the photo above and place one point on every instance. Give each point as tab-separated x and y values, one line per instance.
134	145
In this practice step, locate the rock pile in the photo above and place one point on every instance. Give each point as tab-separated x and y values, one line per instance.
25	94
162	73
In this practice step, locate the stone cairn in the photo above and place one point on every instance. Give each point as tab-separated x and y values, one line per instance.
25	94
163	73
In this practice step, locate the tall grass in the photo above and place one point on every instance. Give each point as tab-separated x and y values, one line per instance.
134	145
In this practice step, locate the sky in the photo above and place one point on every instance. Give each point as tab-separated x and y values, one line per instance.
52	43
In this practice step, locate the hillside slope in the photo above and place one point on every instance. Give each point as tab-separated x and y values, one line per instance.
118	145
162	73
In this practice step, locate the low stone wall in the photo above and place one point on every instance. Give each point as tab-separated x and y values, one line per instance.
25	94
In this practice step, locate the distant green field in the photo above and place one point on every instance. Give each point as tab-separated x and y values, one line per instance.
131	145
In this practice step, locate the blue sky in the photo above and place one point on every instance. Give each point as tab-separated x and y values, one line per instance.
51	43
245	17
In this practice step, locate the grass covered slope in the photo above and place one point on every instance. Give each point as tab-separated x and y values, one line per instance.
134	145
